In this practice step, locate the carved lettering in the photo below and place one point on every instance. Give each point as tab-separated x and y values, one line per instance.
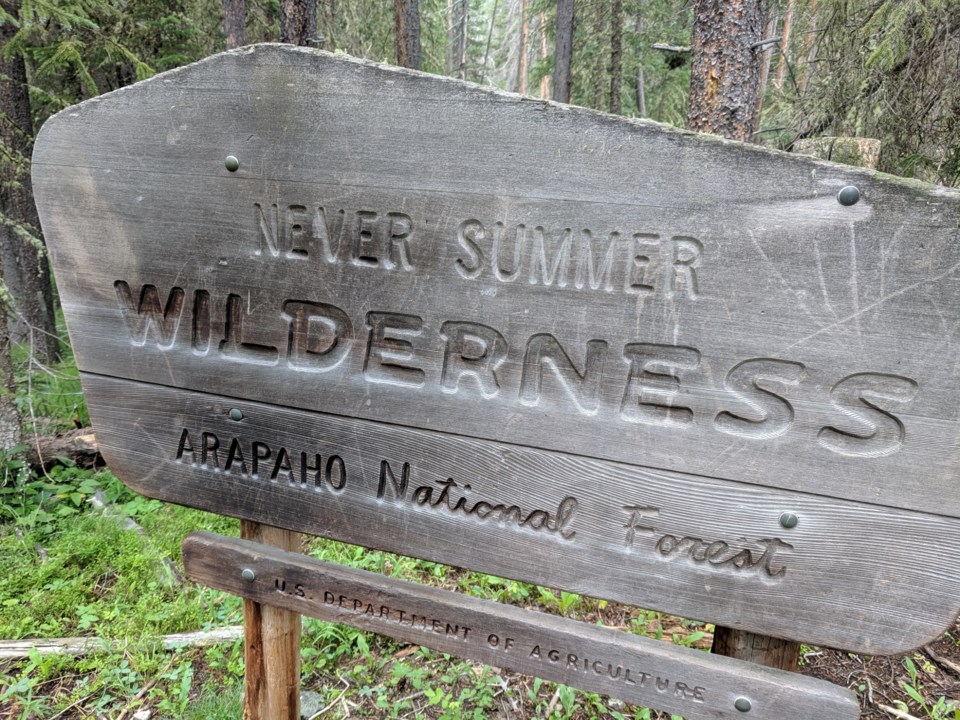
362	237
583	388
147	315
389	352
594	261
667	388
320	335
652	385
472	350
865	398
771	415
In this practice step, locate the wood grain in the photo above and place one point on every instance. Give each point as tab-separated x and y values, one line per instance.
655	340
271	642
748	326
849	578
639	670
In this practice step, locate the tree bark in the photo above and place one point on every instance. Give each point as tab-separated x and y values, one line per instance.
25	270
544	80
10	435
641	91
407	20
486	51
298	22
766	56
725	70
616	54
521	84
563	51
234	23
784	45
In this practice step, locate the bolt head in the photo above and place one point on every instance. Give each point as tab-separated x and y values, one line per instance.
789	520
850	195
231	163
235	414
248	574
743	704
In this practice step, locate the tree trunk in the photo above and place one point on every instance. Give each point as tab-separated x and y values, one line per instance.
234	23
486	51
725	69
809	46
766	56
407	16
272	643
327	13
298	22
25	270
641	91
599	64
784	45
544	80
9	415
760	649
616	54
563	51
521	83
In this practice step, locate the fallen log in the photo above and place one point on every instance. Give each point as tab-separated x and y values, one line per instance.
21	649
78	446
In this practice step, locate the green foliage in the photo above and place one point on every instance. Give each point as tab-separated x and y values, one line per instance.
940	709
877	68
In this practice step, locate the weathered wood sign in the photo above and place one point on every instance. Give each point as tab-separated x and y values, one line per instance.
529	339
642	671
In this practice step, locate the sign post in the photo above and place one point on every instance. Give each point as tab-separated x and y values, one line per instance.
271	641
524	338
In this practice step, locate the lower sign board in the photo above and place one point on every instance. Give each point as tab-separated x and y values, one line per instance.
646	672
715	548
536	340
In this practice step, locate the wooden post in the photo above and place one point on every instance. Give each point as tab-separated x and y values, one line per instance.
272	637
761	649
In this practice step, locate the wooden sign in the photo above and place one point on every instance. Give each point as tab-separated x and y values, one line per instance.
646	672
525	338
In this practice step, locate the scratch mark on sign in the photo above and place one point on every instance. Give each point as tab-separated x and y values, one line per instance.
823	280
874	304
783	280
854	285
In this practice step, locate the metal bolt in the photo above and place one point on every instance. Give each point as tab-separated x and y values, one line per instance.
235	414
742	704
789	519
232	164
248	574
850	195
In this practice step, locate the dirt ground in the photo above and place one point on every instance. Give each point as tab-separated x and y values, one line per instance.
880	681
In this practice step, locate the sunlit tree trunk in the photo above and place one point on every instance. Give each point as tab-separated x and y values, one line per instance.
765	59
785	45
521	83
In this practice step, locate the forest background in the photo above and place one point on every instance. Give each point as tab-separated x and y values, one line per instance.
882	69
